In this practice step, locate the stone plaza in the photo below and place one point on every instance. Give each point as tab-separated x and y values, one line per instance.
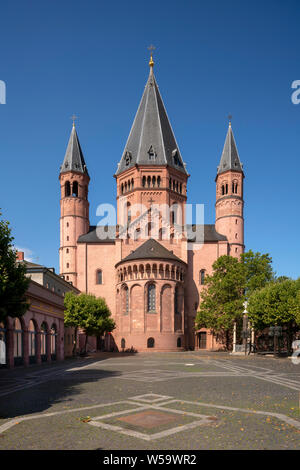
152	401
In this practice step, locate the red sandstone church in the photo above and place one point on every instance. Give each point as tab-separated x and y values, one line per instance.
149	266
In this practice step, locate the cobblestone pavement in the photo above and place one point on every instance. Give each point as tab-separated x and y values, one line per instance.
161	401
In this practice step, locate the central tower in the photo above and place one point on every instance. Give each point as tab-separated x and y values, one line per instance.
151	170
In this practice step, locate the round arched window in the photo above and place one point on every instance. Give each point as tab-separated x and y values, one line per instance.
150	343
18	341
31	341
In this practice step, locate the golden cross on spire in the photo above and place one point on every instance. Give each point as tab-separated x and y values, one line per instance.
229	118
74	117
151	49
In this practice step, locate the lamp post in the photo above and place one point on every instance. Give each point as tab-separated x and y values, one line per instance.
246	332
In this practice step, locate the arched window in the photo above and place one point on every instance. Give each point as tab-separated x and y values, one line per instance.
99	276
53	333
2	344
226	188
44	342
178	342
122	188
18	342
132	183
31	341
67	189
150	343
234	187
151	304
176	310
75	189
128	214
125	300
158	181
123	343
202	277
223	189
153	181
137	234
170	183
144	181
149	181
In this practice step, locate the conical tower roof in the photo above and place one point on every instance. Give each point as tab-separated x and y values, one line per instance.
230	159
74	160
151	140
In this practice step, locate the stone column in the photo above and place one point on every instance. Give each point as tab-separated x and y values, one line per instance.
172	308
48	346
10	346
234	337
38	347
25	347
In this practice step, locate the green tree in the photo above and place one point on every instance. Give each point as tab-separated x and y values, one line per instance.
89	313
258	270
13	281
222	301
278	303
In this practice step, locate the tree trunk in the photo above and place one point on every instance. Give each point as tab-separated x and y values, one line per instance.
85	344
227	340
75	341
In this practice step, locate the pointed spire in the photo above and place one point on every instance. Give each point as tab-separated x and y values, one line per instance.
230	159
74	160
151	140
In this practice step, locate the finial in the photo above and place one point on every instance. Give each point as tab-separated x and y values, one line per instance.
229	117
151	49
74	117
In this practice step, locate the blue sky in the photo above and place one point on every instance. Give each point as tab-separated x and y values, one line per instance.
212	59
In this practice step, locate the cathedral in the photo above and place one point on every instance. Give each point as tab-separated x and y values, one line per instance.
150	265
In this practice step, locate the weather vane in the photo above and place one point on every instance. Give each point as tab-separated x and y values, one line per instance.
74	117
151	48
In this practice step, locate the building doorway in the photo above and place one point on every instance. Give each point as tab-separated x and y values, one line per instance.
202	340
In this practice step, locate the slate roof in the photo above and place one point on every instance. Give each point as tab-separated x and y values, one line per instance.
230	159
93	237
210	233
151	249
151	140
74	160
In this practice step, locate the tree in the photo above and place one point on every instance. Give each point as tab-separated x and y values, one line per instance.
13	280
89	313
278	303
258	270
222	301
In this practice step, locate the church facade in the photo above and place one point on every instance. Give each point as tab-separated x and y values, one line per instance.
149	265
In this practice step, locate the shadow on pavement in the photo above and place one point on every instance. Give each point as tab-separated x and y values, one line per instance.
42	391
